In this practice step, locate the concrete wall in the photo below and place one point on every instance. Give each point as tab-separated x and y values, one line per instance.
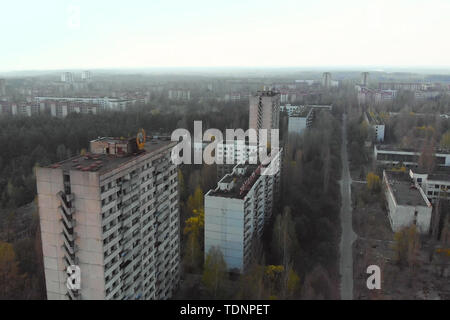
224	226
85	187
401	216
379	130
49	183
87	228
297	125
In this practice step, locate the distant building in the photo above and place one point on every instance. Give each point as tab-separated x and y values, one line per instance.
235	96
237	210
406	203
265	111
2	87
326	79
290	108
67	77
366	95
392	155
365	79
407	86
303	117
384	96
307	82
426	95
299	121
235	152
377	124
19	109
180	94
86	76
83	105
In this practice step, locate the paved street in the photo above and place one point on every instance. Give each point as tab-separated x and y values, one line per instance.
348	236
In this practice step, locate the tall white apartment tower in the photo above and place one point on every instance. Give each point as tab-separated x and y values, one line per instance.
265	111
112	212
86	75
2	87
67	77
237	210
326	79
364	79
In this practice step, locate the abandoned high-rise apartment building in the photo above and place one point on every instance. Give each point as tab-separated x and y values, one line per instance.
112	212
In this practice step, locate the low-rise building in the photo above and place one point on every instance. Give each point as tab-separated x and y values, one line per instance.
407	204
436	184
393	155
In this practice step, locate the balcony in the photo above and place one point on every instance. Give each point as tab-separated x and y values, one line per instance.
73	294
110	231
108	219
70	260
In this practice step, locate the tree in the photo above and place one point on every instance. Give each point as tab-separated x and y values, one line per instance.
272	278
292	283
61	152
194	228
284	237
195	201
427	157
193	253
407	246
10	279
181	185
445	140
252	284
215	273
318	285
373	182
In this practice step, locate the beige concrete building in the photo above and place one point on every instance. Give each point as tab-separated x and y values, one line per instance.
407	204
114	213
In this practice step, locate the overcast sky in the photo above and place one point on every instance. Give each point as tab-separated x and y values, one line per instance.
81	34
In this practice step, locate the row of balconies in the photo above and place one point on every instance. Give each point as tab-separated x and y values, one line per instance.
111	231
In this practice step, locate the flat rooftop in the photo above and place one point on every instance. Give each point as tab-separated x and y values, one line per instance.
301	113
404	191
267	93
439	176
239	180
391	147
97	162
374	118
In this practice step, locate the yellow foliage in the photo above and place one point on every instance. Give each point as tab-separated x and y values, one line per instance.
373	181
445	140
293	281
195	223
272	270
401	169
195	202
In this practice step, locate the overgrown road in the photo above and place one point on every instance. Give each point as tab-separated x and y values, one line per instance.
348	236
